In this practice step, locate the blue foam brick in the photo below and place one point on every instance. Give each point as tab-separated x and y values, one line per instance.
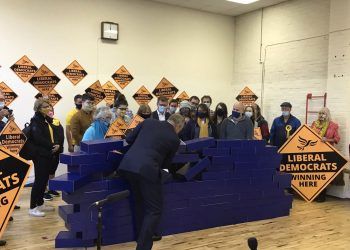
199	144
216	151
101	146
66	239
222	175
222	160
184	158
228	143
77	158
197	169
70	182
86	169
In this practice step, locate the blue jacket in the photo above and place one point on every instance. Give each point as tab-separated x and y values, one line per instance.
153	146
278	133
97	130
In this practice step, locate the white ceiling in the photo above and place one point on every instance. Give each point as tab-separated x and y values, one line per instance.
221	6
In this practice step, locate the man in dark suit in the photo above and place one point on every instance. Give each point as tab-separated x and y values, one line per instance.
153	146
161	113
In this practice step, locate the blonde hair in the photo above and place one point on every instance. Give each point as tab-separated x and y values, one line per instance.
39	103
327	112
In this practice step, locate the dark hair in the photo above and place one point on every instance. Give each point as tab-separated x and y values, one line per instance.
206	97
205	108
120	102
86	96
258	111
224	107
194	97
39	95
174	100
162	99
118	95
144	108
77	97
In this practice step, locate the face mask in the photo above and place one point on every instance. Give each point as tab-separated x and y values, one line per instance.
78	106
87	107
107	122
248	114
145	116
50	114
208	104
201	114
220	112
5	119
172	110
285	113
185	112
2	105
236	114
161	109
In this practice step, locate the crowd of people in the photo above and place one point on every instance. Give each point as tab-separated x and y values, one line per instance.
86	122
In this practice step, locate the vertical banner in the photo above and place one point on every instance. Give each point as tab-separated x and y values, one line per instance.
44	80
247	97
12	138
96	91
10	96
24	68
110	91
74	72
165	88
122	77
312	162
13	175
142	96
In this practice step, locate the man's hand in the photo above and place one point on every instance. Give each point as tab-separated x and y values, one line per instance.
70	148
55	148
3	113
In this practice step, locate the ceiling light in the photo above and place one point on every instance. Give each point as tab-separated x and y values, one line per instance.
243	1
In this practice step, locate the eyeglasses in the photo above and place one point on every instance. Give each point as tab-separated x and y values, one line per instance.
45	107
123	109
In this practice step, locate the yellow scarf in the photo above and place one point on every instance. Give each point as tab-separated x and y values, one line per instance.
203	128
321	128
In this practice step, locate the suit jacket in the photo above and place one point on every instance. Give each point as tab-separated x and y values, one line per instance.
153	146
155	115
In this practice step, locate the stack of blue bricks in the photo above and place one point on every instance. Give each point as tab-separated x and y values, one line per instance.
227	182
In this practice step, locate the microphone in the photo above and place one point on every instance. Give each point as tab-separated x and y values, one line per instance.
112	198
253	243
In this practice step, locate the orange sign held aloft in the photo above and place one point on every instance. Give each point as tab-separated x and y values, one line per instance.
110	91
165	88
312	162
44	80
122	77
116	129
183	97
247	97
12	138
142	96
257	134
13	175
24	68
96	91
135	121
74	72
10	96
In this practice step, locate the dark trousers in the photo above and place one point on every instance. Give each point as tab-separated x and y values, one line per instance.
148	200
42	171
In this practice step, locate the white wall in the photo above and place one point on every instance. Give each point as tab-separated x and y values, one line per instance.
192	49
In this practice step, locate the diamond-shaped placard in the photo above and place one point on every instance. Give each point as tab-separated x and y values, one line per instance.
9	94
165	88
74	72
116	129
246	97
183	96
44	80
24	68
12	138
53	97
110	91
122	77
313	163
142	96
13	175
96	91
133	124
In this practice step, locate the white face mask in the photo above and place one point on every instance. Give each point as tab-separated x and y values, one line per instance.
5	119
2	105
248	114
208	104
87	107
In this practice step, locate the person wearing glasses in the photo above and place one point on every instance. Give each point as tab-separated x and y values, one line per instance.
119	111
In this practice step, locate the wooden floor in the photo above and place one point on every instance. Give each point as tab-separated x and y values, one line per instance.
310	226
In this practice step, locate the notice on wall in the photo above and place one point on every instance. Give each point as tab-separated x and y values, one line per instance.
247	97
44	80
165	88
183	97
24	68
142	96
13	175
12	138
122	77
9	94
312	162
110	91
96	91
74	72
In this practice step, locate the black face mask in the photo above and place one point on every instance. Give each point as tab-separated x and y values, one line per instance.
145	116
202	114
185	113
220	112
78	106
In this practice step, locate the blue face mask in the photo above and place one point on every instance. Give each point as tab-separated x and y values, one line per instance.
172	110
161	109
236	114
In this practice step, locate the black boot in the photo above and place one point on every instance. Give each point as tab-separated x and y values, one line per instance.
2	243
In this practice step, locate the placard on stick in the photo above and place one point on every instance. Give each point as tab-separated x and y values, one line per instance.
44	80
122	77
24	68
142	96
116	129
165	88
74	72
9	94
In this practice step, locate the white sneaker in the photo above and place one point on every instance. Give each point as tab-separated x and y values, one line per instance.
45	208
36	212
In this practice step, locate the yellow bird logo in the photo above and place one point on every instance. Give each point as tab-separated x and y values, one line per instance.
305	143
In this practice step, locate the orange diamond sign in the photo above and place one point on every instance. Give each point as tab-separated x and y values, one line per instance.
165	88
74	72
24	68
247	97
44	80
13	175
122	77
10	96
12	138
110	91
96	91
312	162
